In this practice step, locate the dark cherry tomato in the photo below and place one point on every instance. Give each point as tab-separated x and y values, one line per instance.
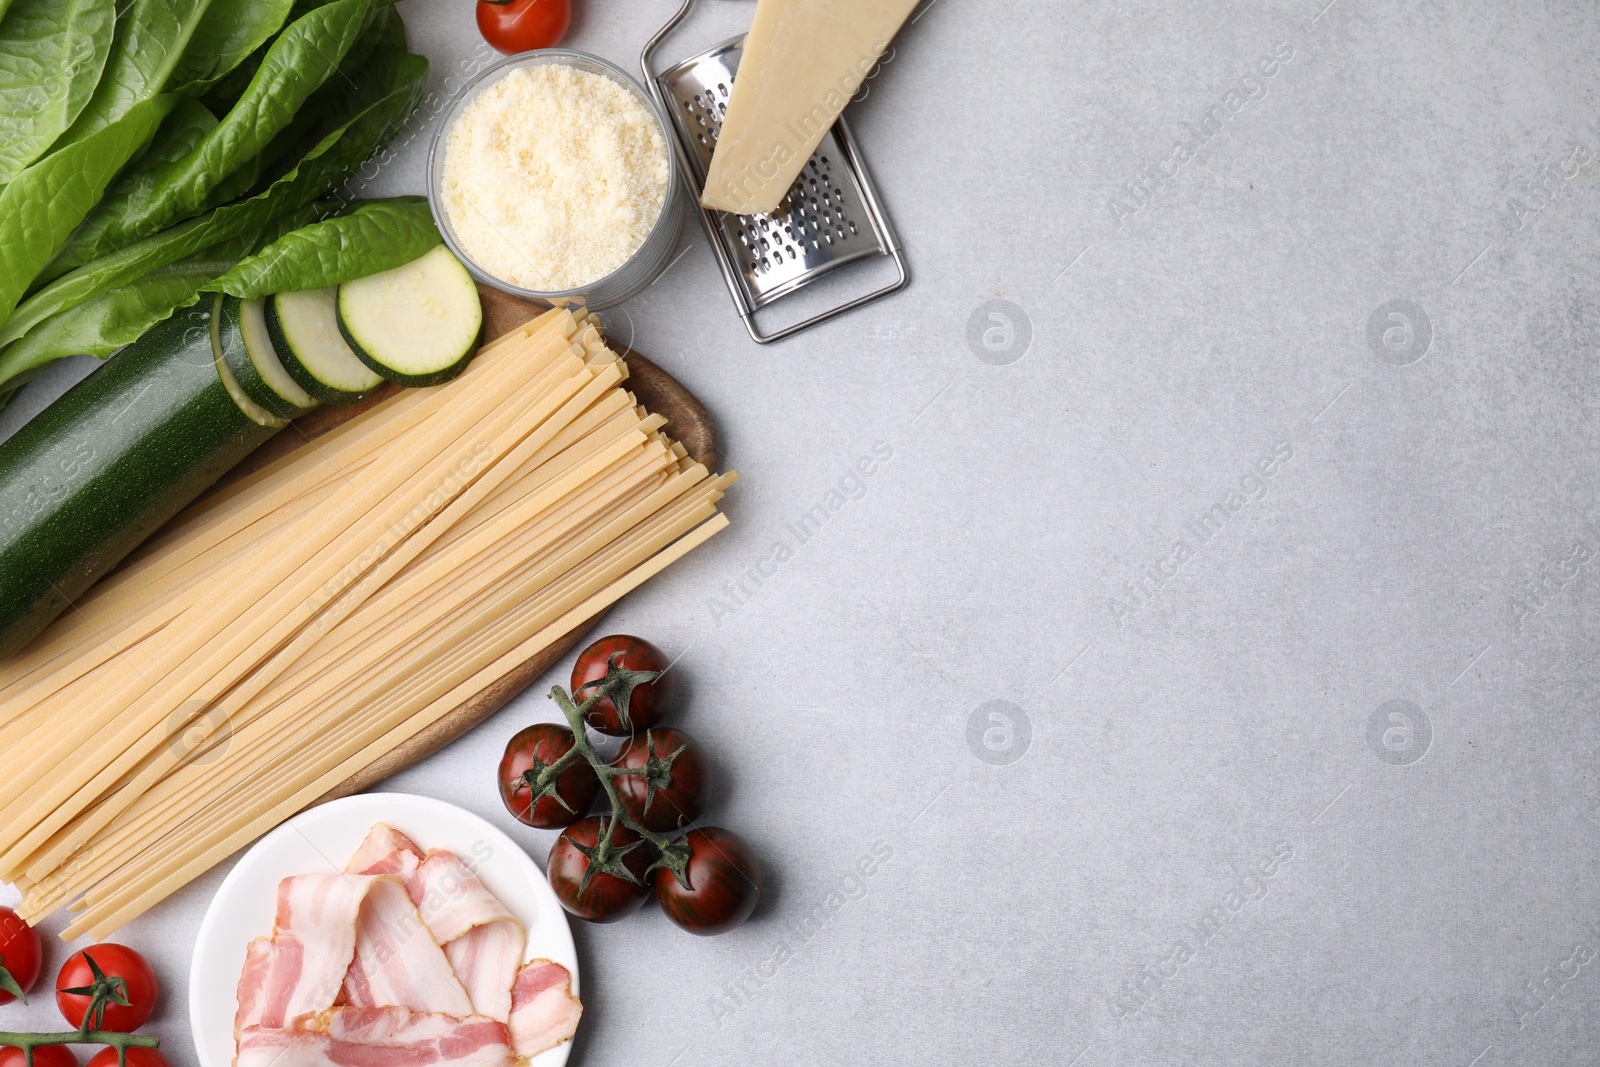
137	1057
21	954
608	896
47	1056
138	981
574	789
676	783
724	883
513	26
649	703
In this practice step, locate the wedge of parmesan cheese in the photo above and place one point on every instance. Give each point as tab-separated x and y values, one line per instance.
802	62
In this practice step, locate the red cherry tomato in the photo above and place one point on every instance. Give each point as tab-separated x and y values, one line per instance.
724	883
20	953
676	783
513	26
648	704
575	788
137	1057
45	1056
608	897
115	962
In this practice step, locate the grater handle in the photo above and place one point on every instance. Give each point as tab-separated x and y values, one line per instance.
729	274
648	52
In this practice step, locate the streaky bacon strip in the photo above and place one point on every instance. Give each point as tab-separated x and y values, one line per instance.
314	939
397	963
544	1013
271	971
454	900
485	958
386	850
482	940
378	1037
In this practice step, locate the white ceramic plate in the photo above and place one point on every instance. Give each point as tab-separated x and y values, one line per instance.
322	839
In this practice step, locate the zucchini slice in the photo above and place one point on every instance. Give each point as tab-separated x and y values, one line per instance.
247	353
304	328
105	465
417	324
252	411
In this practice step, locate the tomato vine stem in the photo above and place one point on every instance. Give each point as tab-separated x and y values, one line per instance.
121	1042
674	854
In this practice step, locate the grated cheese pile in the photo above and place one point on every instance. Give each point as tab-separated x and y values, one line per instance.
553	177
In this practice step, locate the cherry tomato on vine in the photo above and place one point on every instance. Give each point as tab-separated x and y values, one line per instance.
676	783
138	1056
724	883
46	1056
513	26
566	799
21	956
128	973
648	703
608	896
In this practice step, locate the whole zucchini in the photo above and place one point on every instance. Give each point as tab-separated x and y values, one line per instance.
103	467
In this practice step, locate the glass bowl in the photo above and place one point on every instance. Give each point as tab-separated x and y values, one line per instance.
646	263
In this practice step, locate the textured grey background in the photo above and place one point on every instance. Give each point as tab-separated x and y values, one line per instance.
1194	829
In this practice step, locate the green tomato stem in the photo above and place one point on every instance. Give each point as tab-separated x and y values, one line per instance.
605	772
553	770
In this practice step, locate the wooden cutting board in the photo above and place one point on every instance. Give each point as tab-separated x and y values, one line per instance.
657	390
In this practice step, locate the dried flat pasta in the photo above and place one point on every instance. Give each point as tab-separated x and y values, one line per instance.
289	630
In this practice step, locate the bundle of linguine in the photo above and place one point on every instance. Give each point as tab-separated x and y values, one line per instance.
289	630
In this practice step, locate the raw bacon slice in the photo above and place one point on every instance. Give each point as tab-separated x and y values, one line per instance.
544	1013
397	963
482	940
388	851
271	971
485	959
378	1037
454	900
313	941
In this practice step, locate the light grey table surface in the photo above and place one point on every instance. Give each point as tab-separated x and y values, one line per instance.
1210	665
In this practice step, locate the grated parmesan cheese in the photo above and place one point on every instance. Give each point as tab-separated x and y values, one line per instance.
554	177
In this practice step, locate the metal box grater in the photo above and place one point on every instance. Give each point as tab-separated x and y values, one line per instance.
830	218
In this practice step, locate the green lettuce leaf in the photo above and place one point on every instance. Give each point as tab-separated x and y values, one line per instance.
362	126
231	86
335	102
328	162
386	69
379	235
186	125
299	60
46	202
229	31
225	91
51	55
150	40
120	316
